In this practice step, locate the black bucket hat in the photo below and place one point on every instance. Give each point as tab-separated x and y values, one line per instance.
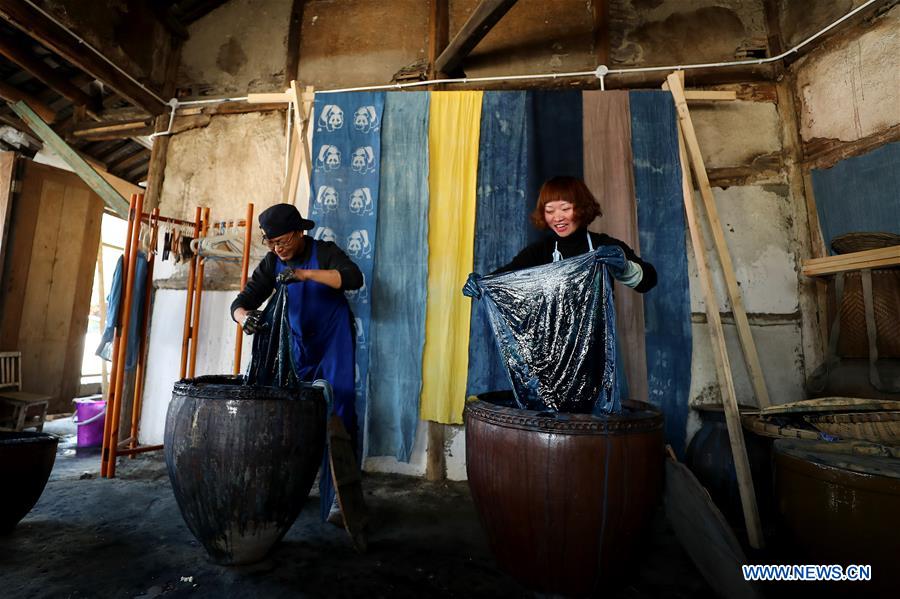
280	219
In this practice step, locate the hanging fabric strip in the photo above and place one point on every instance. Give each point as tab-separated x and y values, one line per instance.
608	174
453	135
104	350
661	225
502	227
555	148
344	200
400	277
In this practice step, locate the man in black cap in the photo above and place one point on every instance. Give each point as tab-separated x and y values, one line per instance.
317	274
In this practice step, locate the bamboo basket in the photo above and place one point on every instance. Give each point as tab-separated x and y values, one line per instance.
878	427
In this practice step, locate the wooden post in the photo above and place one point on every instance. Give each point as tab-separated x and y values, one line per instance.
297	148
734	293
189	302
114	377
720	355
137	400
245	265
123	341
436	465
101	287
198	295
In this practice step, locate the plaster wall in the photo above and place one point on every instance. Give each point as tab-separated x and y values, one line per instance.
735	134
236	159
239	47
848	89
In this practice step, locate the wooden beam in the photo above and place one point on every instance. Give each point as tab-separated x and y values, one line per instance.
439	34
105	130
124	164
12	95
436	461
95	181
46	73
720	355
295	26
482	19
602	44
44	30
734	293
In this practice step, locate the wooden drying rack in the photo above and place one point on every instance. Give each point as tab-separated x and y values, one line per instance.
112	448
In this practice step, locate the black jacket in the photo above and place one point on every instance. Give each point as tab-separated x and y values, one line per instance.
261	284
541	252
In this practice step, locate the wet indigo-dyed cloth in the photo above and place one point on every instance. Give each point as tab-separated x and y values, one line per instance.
555	330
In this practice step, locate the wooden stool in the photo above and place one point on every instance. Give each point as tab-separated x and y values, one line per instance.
28	410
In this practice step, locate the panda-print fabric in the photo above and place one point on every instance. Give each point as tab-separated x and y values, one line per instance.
344	196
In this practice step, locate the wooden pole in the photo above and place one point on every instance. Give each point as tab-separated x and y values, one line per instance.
137	399
198	295
245	265
734	293
114	377
189	302
720	355
101	289
123	342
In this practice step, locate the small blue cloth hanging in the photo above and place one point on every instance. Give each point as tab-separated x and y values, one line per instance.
555	330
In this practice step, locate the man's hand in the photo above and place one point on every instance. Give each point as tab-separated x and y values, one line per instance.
290	275
253	322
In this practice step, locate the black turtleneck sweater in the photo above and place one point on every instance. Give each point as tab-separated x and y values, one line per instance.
541	252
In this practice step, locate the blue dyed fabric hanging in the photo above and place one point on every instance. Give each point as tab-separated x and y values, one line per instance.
555	329
400	278
104	350
502	228
859	194
344	198
661	229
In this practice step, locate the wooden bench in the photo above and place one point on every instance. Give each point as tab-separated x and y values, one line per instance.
20	410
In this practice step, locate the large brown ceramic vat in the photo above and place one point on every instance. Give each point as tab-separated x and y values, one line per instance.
563	498
841	509
241	460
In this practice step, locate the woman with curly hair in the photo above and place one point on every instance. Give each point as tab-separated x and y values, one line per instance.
565	207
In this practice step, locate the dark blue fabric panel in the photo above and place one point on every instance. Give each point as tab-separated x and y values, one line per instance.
557	142
502	228
859	194
661	229
400	277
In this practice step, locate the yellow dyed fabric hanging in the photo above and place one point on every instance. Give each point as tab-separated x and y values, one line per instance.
453	135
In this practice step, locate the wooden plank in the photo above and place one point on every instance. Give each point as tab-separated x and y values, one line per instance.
42	29
889	256
97	183
482	19
830	270
711	95
734	293
16	269
601	28
7	181
299	150
43	71
12	95
720	356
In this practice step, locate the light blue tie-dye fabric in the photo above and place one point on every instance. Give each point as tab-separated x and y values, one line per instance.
400	278
661	229
344	199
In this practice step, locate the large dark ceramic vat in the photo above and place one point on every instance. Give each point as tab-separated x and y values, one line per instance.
563	498
242	461
26	460
841	509
709	457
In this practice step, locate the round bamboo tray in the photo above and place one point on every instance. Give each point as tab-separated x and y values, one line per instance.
878	427
859	242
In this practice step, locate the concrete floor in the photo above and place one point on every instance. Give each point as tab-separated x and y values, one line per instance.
92	537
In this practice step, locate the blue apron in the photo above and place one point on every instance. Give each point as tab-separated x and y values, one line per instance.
323	337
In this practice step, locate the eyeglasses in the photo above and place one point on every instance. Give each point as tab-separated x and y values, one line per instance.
279	243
